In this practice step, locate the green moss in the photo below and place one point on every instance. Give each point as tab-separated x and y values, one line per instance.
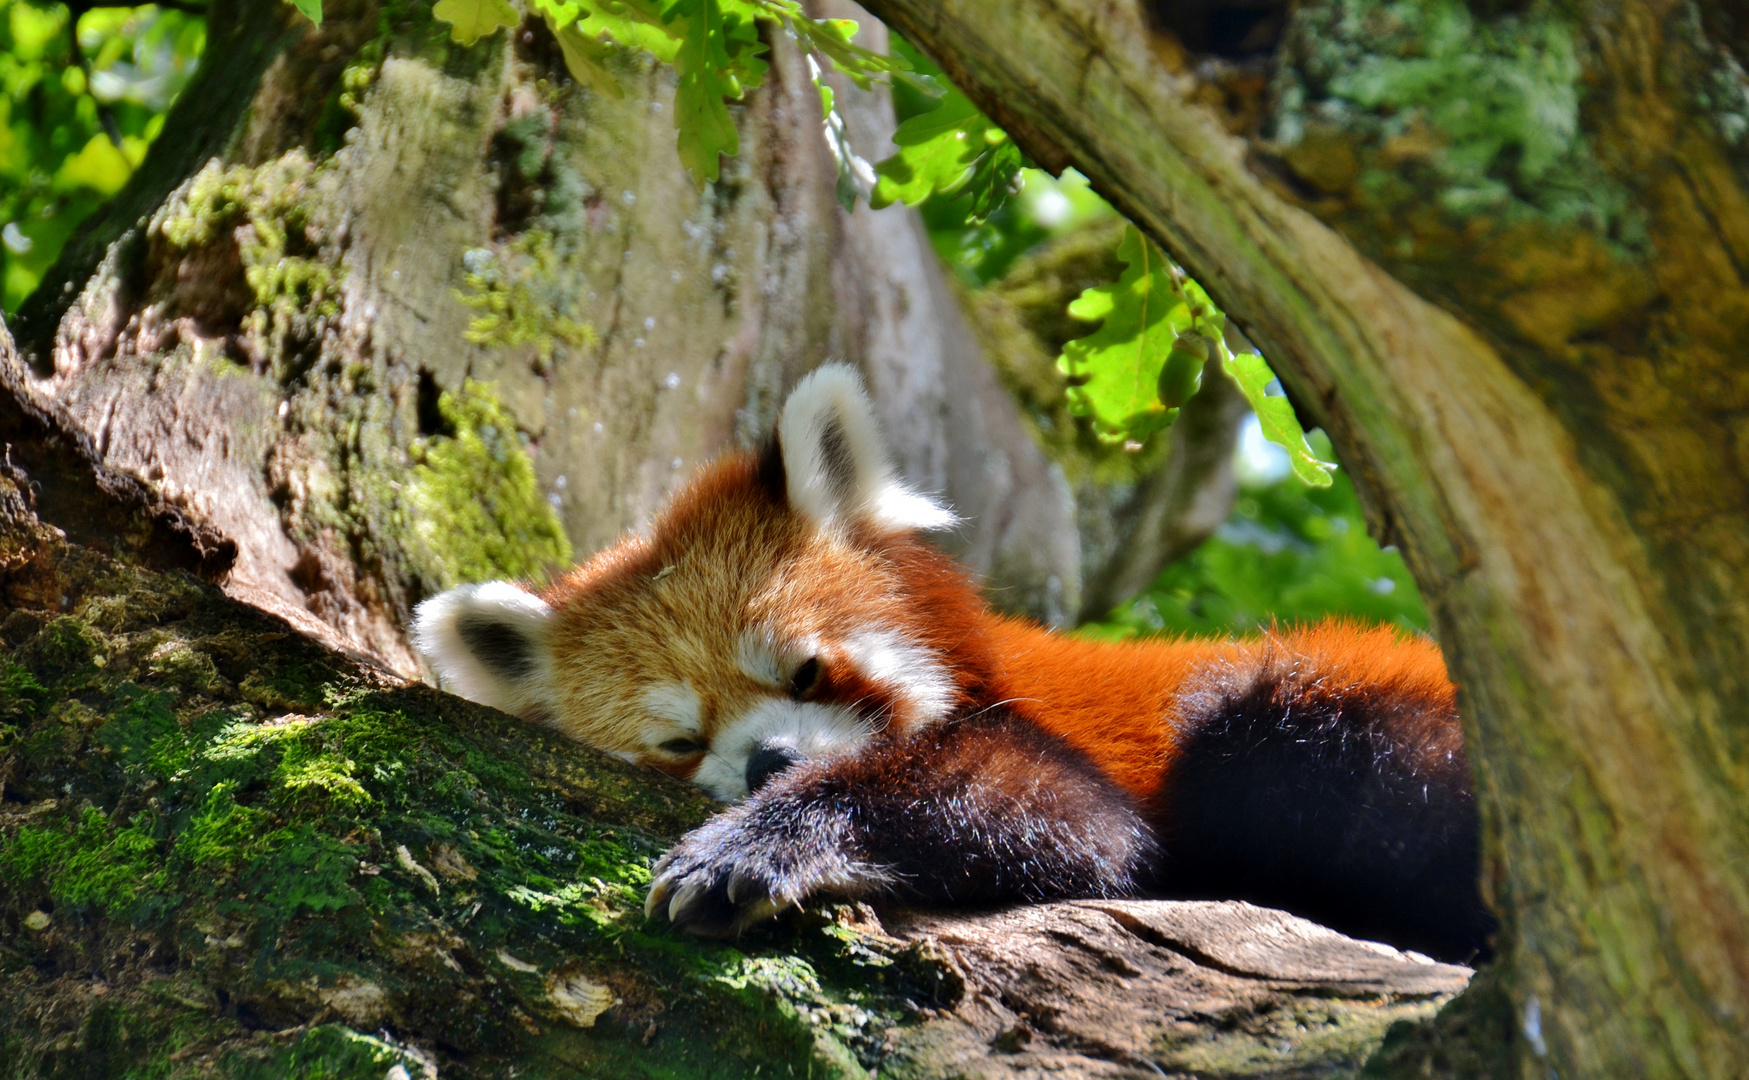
65	646
1287	1041
143	732
1474	1034
472	505
282	688
217	839
177	664
301	869
92	866
21	696
1483	111
266	212
519	298
330	1052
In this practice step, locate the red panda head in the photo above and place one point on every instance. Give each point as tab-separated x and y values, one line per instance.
780	607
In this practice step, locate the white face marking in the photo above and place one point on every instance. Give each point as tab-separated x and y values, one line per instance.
677	703
912	670
756	654
763	659
812	729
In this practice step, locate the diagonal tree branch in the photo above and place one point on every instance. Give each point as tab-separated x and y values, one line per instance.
1566	637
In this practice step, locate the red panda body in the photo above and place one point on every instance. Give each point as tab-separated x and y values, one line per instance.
782	635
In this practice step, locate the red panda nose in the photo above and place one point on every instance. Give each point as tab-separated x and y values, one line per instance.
766	761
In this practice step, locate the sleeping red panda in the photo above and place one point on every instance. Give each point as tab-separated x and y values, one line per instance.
784	638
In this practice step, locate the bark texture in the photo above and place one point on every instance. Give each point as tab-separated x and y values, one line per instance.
421	314
227	850
1522	336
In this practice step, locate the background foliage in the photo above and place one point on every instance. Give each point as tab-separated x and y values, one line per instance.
81	97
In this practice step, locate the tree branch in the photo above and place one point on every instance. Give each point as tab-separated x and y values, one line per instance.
1558	628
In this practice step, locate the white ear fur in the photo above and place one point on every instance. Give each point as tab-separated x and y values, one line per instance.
835	463
489	644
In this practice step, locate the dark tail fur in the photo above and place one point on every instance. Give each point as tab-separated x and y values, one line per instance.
1349	804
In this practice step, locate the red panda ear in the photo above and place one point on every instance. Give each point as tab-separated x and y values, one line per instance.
489	644
835	463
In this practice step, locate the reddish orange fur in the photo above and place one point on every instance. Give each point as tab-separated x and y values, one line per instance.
1116	702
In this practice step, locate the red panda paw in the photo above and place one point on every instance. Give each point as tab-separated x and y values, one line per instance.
743	867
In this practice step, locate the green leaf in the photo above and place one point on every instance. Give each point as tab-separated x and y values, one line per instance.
995	176
312	9
744	48
832	38
1115	371
706	129
936	153
583	59
634	24
1280	425
470	20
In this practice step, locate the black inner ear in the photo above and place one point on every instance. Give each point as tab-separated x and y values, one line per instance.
497	645
835	456
771	474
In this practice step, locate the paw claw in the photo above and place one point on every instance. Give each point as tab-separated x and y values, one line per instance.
741	885
727	876
685	901
659	890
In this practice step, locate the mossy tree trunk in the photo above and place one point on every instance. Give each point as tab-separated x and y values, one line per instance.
1498	251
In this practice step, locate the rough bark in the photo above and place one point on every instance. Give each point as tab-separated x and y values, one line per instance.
267	341
1540	397
227	850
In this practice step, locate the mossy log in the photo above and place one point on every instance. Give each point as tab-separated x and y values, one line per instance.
1497	251
228	850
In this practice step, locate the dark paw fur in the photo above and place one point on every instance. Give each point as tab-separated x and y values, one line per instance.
737	870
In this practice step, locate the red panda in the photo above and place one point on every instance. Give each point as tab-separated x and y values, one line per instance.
784	637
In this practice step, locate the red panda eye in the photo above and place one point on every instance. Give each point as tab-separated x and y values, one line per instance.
683	747
806	679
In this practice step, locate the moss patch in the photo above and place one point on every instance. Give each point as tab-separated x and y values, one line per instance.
1483	113
473	504
266	213
1313	1036
1451	145
519	299
193	869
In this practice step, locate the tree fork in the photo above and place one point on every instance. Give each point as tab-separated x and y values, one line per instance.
1598	636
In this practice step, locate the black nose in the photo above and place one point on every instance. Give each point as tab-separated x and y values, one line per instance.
767	761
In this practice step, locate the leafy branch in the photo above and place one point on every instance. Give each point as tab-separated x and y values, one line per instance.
713	45
1160	329
952	149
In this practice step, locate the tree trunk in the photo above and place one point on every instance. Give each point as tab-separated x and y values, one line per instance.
396	274
1523	335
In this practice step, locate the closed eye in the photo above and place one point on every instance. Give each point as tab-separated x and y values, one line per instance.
806	680
684	747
